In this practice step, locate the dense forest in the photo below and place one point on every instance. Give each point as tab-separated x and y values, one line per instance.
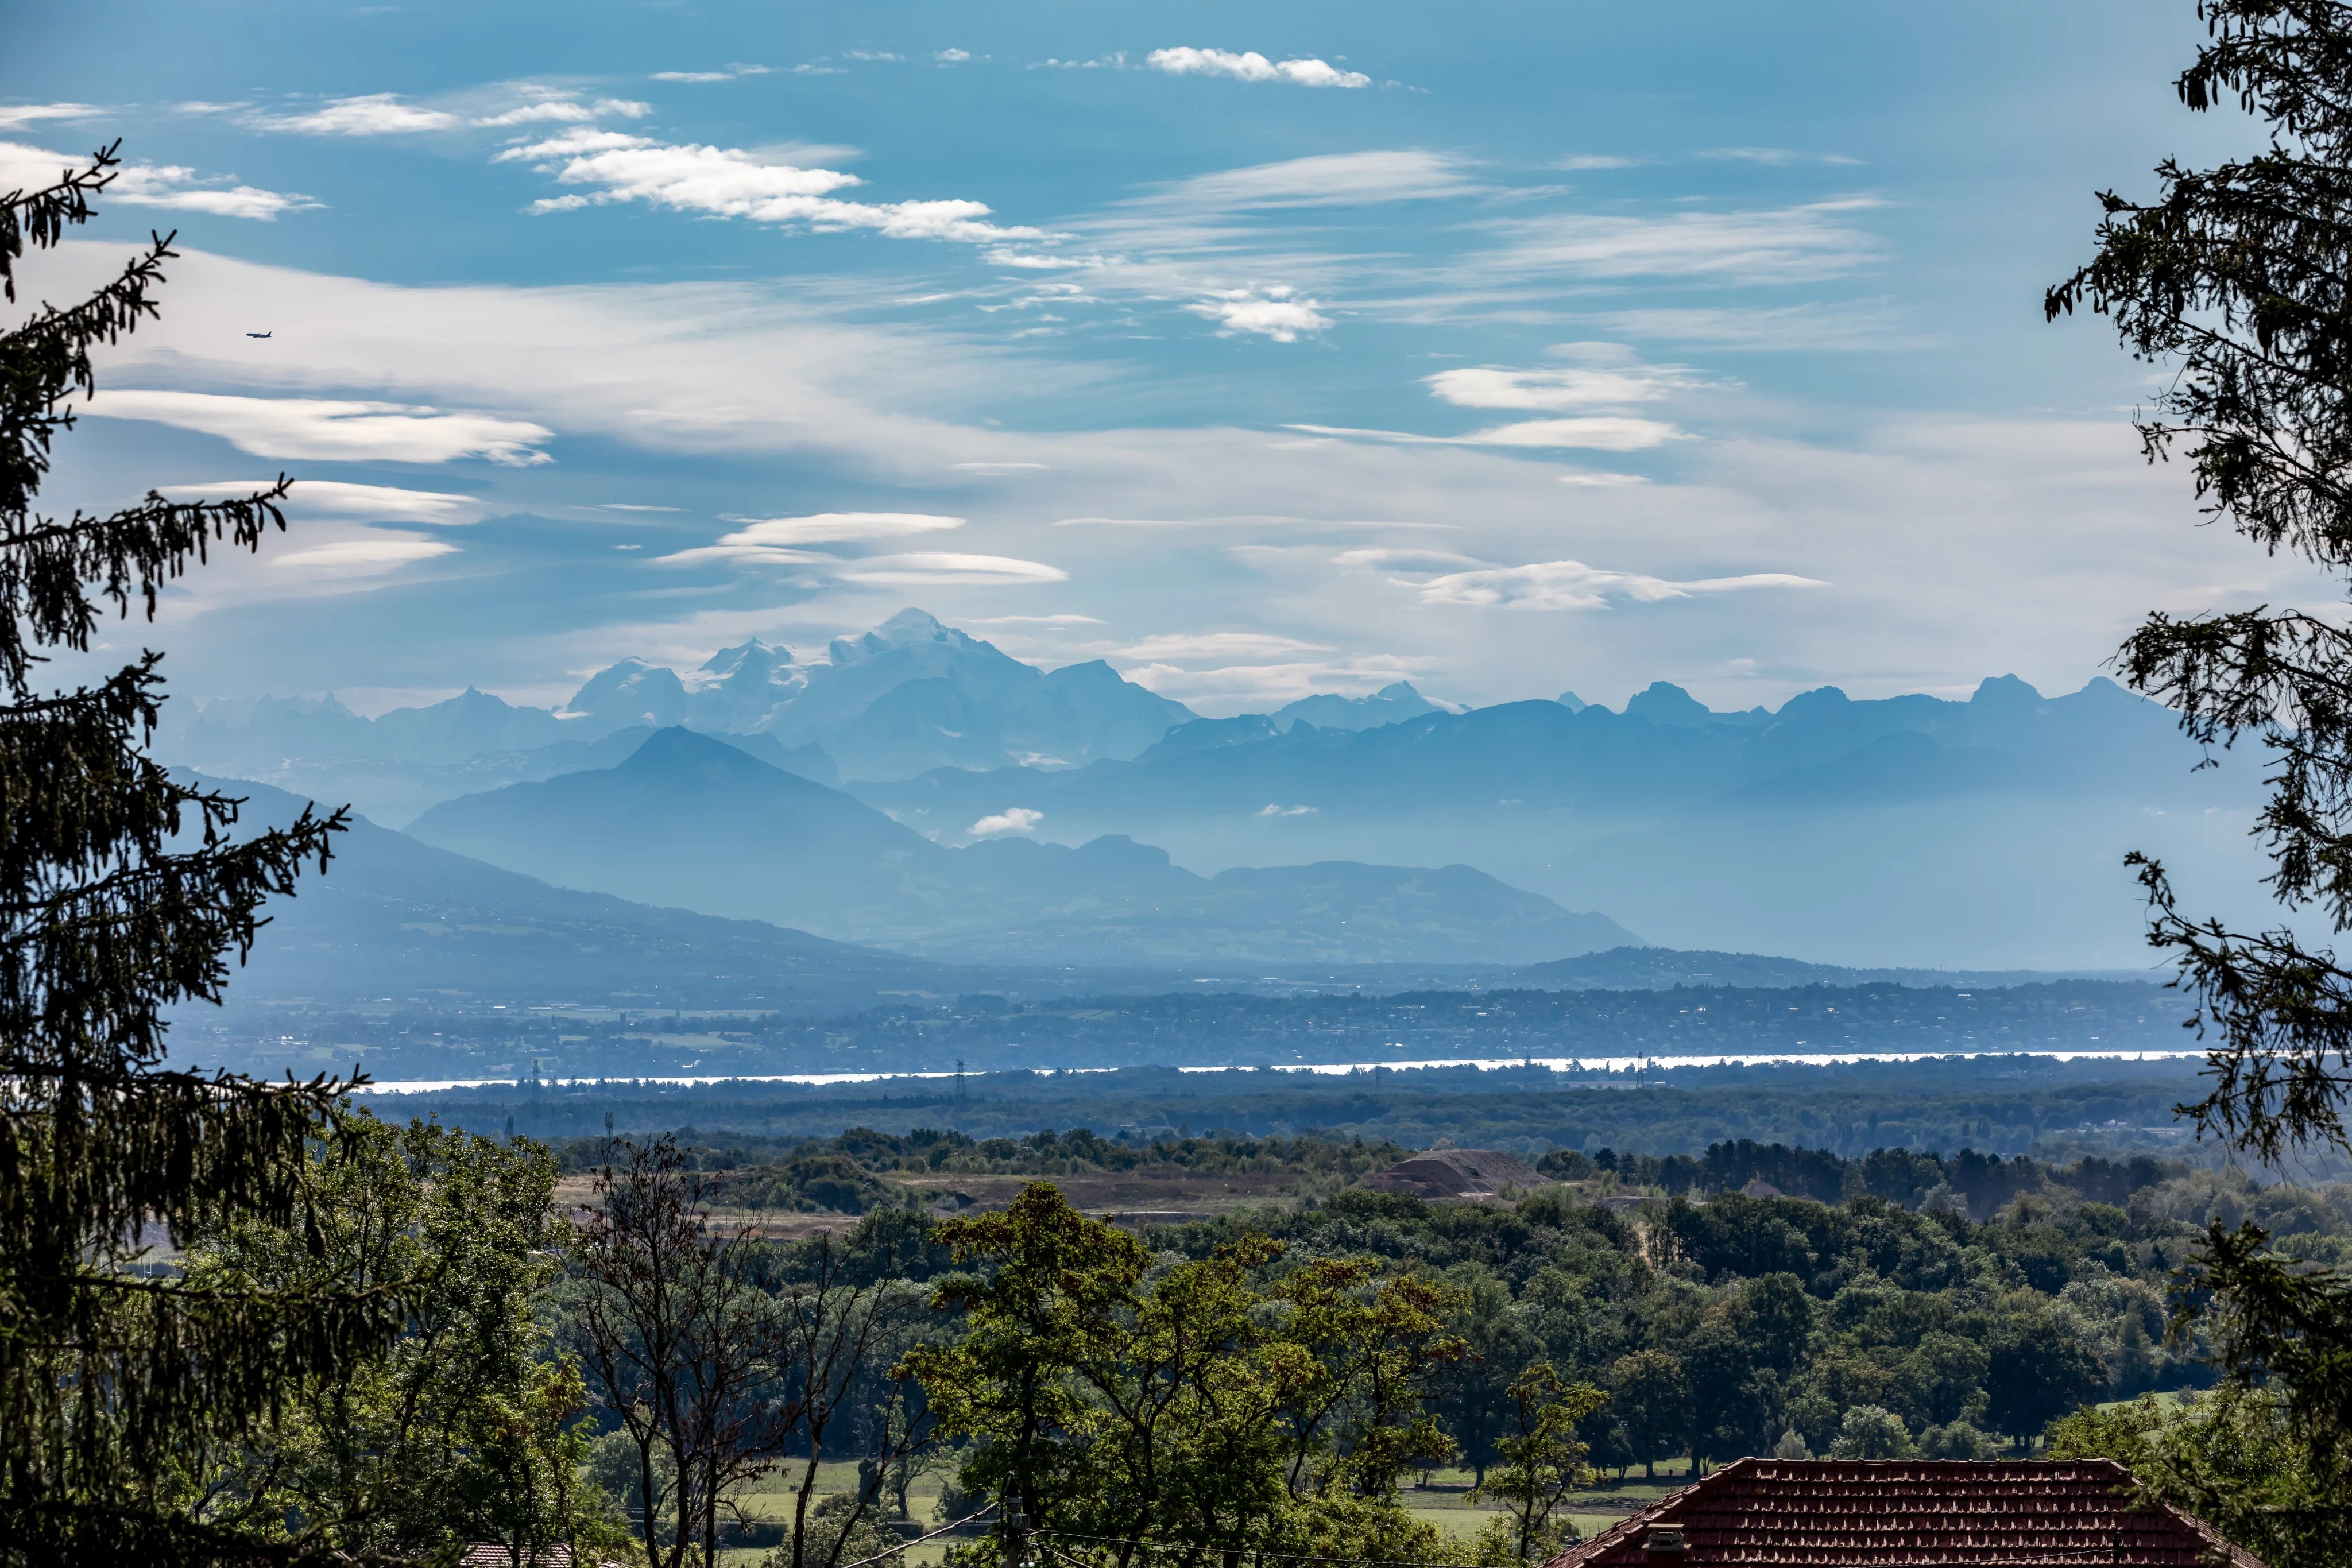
1890	1304
2008	1107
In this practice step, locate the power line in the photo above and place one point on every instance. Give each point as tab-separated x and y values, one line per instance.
918	1540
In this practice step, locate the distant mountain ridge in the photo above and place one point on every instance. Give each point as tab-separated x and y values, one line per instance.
692	821
909	695
396	918
1910	830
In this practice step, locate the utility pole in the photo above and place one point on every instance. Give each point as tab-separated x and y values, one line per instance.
1014	1532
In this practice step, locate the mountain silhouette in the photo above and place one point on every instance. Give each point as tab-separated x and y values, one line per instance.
693	822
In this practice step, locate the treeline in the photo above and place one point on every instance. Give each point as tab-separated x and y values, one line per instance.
1225	1029
2047	1107
843	1173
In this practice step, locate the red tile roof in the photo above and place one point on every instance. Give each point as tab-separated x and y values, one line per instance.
1910	1514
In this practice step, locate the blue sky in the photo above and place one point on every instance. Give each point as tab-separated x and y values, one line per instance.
1260	350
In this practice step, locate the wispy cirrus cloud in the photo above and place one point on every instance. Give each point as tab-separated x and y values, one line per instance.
170	187
336	498
734	72
1250	66
369	114
1573	585
1840	327
333	430
502	106
16	116
736	182
1596	433
1323	180
1802	243
1389	558
1771	157
1219	645
369	556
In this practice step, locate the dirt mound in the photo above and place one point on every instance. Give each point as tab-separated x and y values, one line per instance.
1455	1173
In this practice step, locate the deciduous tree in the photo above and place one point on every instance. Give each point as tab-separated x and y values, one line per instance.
1539	1461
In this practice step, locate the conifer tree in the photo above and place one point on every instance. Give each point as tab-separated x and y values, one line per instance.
122	892
2238	279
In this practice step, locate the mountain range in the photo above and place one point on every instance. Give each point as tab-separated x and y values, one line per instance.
692	820
908	696
1912	831
1907	832
395	921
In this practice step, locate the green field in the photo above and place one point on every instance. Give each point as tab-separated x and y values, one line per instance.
1444	1502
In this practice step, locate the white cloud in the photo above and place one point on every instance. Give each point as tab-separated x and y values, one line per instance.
1324	180
1494	386
787	541
335	498
1253	688
1572	585
566	111
953	56
1271	809
693	76
1038	261
1855	325
1015	819
16	116
835	528
1389	559
928	568
1595	161
332	430
1032	621
1219	645
169	187
369	557
374	114
1268	312
1787	245
1251	66
732	182
1598	480
1599	433
1773	157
